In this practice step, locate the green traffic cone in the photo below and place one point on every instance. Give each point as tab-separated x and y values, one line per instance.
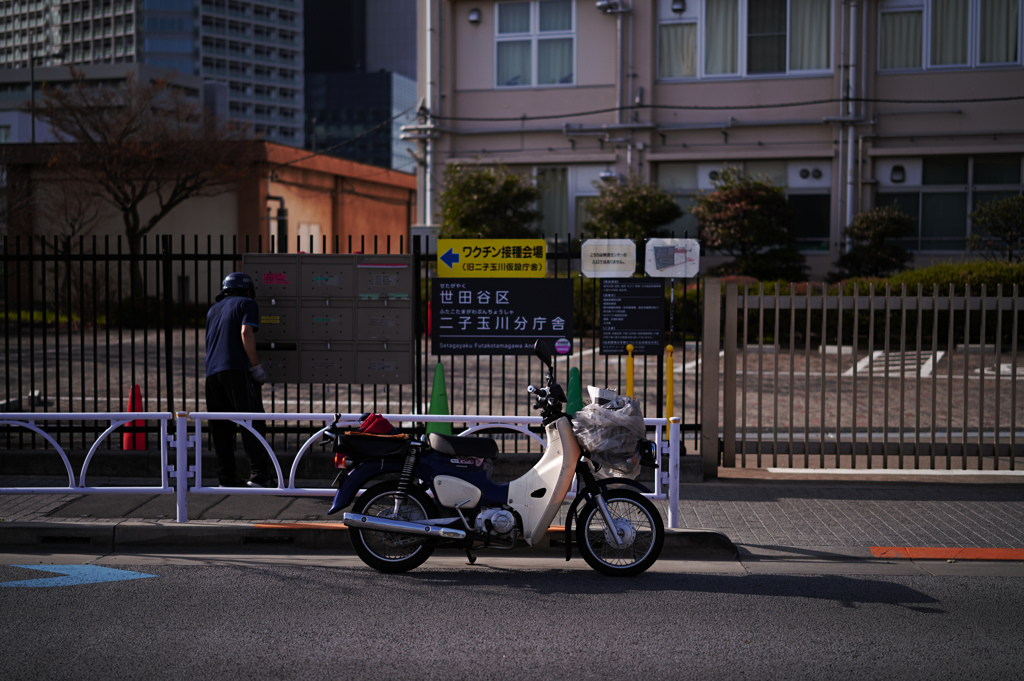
439	403
575	395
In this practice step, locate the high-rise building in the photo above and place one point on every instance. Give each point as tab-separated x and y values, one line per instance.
361	79
249	52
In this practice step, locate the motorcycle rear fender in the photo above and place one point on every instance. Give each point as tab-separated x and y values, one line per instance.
350	482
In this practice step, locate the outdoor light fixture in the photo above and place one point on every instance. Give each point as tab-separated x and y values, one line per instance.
678	6
474	16
898	174
607	5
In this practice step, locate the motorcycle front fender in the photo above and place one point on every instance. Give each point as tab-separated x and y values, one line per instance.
349	483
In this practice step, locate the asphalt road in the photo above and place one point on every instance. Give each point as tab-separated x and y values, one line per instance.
329	617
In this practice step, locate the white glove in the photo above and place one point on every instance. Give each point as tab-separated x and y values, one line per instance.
259	374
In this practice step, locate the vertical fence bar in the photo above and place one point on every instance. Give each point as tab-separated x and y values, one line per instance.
903	371
871	372
760	372
967	364
729	376
981	376
949	383
743	374
807	378
1014	380
999	356
919	353
181	469
775	383
674	437
885	380
792	369
935	372
853	378
841	312
821	354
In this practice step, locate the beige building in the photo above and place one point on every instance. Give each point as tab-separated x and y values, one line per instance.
848	105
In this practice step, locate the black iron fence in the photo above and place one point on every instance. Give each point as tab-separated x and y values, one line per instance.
85	320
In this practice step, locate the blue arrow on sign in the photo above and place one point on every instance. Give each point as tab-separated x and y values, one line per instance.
76	574
450	258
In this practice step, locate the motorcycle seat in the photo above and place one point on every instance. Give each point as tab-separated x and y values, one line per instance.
375	446
467	447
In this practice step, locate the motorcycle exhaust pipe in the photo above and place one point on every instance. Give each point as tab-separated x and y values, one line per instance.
369	522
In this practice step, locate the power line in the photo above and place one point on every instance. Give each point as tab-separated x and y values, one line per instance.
727	107
368	131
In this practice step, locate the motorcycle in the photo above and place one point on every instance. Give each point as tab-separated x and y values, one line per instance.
438	493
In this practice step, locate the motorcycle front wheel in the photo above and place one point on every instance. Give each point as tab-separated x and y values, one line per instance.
639	526
393	552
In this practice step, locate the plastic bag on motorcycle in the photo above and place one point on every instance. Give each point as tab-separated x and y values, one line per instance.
610	432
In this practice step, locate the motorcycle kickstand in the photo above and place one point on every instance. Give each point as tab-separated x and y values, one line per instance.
470	556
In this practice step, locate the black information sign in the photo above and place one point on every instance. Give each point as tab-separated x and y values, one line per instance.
632	311
500	316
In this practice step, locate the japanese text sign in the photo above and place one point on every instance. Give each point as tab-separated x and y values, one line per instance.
491	258
500	316
608	258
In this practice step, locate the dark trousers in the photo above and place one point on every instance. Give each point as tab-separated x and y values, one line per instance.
235	390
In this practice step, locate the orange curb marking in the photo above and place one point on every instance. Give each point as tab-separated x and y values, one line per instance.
301	526
937	553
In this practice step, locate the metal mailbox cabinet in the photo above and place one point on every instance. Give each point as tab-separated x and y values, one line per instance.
383	362
327	277
278	319
275	275
384	320
327	365
321	322
334	318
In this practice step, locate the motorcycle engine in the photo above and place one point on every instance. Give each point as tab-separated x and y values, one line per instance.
498	522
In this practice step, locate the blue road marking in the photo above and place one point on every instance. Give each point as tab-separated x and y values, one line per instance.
76	574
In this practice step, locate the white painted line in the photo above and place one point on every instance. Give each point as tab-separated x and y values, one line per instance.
886	471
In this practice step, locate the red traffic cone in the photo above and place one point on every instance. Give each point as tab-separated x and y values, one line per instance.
134	441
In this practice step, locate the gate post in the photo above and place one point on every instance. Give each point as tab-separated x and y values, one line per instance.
181	472
709	417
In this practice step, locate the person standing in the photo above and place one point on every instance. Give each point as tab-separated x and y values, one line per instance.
234	378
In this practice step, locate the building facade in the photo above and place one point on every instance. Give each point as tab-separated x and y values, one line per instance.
248	51
848	105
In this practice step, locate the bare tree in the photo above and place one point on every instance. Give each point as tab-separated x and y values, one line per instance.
145	148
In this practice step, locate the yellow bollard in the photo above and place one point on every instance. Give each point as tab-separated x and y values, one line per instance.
669	378
629	371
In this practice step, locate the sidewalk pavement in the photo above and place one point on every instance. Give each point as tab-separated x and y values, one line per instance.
743	513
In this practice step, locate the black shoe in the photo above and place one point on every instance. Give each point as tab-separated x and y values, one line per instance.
262	481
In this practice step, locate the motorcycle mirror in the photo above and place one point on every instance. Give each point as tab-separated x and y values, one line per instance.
543	352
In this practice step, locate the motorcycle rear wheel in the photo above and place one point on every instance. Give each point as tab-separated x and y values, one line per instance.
392	552
637	521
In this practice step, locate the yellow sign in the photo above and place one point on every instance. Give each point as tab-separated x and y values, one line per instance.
491	258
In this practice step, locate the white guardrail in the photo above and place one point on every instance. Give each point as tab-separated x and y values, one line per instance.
174	454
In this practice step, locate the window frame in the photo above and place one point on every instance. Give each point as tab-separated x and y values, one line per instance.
742	41
926	8
534	35
970	189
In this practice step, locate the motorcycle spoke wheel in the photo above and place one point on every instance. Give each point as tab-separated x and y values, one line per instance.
638	524
393	552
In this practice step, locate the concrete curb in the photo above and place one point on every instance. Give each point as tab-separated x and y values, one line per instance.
134	535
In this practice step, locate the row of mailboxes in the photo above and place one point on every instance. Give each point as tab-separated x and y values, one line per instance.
336	362
330	277
334	318
284	319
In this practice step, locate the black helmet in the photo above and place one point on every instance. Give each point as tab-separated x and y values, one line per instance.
236	283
